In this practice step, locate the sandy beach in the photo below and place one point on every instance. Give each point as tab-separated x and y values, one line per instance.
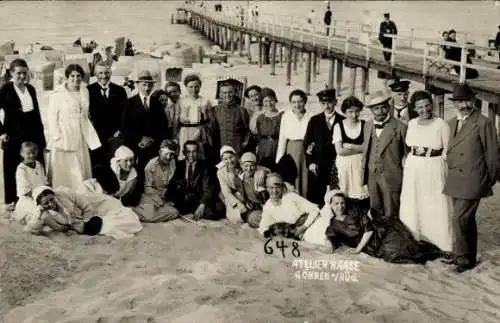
218	272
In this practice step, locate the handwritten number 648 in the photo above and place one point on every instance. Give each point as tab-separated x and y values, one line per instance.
280	244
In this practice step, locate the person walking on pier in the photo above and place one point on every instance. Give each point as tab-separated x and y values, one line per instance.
328	19
384	152
387	27
472	160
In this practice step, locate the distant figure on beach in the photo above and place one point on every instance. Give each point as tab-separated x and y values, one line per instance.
129	48
255	14
312	20
387	27
327	20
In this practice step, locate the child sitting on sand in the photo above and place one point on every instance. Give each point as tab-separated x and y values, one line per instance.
29	174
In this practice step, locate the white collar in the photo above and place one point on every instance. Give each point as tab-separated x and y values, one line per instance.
104	86
383	122
331	115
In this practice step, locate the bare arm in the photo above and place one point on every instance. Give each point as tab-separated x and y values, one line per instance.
364	240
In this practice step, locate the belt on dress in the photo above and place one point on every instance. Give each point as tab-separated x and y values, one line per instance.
426	152
190	125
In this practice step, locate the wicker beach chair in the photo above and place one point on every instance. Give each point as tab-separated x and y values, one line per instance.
240	83
173	74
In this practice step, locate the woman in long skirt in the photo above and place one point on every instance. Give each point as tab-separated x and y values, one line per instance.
291	139
425	210
268	126
71	134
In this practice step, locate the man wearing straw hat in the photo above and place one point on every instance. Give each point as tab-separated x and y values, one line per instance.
383	157
138	121
472	160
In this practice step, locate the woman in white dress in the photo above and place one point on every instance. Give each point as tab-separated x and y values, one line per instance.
348	141
70	132
425	210
194	115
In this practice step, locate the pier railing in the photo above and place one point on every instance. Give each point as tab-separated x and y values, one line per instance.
297	31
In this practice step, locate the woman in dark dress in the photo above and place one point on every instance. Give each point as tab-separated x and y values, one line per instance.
22	122
388	240
268	126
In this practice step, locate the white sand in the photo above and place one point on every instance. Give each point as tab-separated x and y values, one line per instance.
180	272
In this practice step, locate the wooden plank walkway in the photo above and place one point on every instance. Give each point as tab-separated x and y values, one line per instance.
408	63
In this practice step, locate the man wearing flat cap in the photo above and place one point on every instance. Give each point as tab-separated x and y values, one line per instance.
399	102
384	152
138	122
319	149
387	27
472	160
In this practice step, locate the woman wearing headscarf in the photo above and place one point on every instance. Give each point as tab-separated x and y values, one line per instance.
130	184
63	209
157	175
22	122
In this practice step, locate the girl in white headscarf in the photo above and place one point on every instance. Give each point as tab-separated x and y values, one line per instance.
122	164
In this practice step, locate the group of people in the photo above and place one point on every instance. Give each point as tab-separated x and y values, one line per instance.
404	186
455	54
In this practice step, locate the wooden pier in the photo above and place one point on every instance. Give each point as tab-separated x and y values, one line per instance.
343	50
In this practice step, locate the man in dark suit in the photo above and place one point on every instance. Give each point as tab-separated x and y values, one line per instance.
22	122
387	27
319	149
138	122
193	189
383	157
472	160
106	105
400	108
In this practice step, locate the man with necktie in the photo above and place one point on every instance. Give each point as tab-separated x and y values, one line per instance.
319	149
138	122
472	160
106	104
399	102
383	157
192	188
387	27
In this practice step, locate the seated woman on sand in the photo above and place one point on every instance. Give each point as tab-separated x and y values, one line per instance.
157	175
228	174
29	174
63	209
390	241
131	184
287	207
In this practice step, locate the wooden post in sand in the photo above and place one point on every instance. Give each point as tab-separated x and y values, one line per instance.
261	51
240	47
331	73
315	65
308	73
289	66
273	58
340	71
365	72
352	79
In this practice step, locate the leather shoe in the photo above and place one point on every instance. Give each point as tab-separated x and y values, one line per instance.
461	268
449	261
463	264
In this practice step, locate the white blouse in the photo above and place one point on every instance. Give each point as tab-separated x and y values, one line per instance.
25	98
291	128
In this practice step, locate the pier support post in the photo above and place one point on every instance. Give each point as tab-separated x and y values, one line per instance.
289	66
365	83
438	98
352	79
281	55
273	58
234	39
295	58
261	51
331	73
340	71
315	65
308	73
240	47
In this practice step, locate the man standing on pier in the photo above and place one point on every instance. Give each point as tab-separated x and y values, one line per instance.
472	160
387	27
328	19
